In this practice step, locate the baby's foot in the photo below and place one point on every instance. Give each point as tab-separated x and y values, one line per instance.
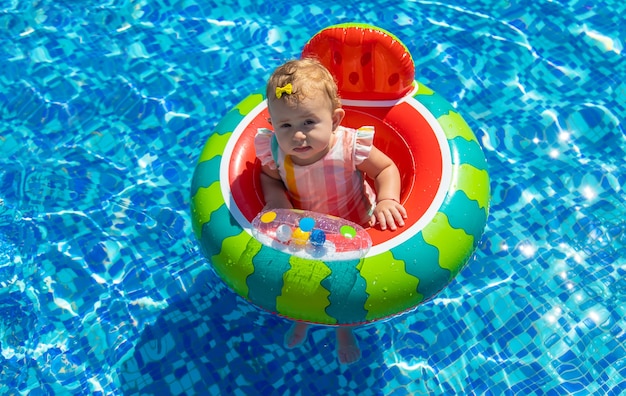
347	347
296	334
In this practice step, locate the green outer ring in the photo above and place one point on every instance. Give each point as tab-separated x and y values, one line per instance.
346	293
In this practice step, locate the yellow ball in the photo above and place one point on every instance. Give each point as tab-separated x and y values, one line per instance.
268	217
300	237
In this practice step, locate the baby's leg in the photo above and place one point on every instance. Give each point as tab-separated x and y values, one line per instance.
347	347
296	334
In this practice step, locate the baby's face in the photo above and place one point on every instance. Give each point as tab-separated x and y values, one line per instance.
305	132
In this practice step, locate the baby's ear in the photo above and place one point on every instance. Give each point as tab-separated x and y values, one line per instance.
338	115
269	120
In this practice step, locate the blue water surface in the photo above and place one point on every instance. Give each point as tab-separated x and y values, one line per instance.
105	107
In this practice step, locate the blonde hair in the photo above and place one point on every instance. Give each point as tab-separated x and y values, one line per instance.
307	77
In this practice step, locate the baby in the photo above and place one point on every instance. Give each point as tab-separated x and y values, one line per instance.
311	162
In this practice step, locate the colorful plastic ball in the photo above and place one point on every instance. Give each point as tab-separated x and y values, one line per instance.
268	217
317	238
306	224
300	237
347	231
283	233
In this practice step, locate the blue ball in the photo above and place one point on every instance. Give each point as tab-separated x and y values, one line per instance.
317	238
307	223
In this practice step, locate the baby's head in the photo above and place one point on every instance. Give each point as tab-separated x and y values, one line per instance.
302	79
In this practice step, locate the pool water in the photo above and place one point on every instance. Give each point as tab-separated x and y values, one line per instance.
105	107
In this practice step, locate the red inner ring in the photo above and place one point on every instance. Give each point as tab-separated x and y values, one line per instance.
401	132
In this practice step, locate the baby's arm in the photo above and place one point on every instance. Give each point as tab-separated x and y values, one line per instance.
388	212
274	190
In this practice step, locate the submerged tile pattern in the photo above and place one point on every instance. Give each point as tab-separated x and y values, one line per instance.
105	107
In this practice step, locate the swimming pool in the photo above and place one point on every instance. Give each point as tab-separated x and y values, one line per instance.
105	109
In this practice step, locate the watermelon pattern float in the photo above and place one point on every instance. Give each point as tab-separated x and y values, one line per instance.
445	188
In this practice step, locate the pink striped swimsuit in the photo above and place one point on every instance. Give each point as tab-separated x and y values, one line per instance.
331	185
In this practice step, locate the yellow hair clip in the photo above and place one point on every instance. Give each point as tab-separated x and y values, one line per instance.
287	89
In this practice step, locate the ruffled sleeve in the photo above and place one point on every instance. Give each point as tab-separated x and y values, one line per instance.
263	147
364	143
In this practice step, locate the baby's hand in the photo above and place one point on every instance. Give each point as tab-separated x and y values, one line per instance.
388	213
